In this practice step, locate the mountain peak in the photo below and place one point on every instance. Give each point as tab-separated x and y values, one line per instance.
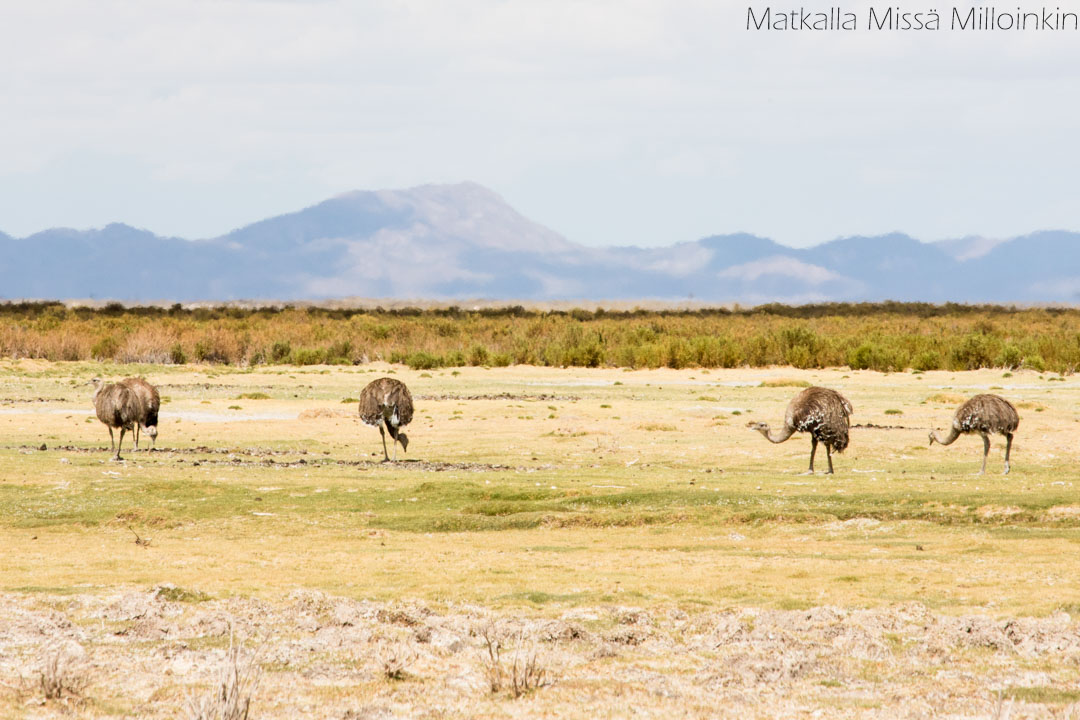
462	240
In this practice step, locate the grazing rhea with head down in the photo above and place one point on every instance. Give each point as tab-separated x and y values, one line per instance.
387	403
983	414
116	406
149	404
823	413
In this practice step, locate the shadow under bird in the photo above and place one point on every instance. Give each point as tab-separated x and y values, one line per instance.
983	414
118	407
387	403
823	413
149	405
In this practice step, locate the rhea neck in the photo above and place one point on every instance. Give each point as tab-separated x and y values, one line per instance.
775	436
948	439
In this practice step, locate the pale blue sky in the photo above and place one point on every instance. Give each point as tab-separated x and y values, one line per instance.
642	122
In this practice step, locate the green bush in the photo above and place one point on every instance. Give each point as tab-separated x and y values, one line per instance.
861	357
105	348
877	356
1010	357
801	347
177	354
307	356
1035	362
423	361
973	352
340	353
280	351
709	352
478	355
927	360
799	356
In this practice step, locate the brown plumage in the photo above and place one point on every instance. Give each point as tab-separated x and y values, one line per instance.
983	414
387	403
116	406
823	413
149	404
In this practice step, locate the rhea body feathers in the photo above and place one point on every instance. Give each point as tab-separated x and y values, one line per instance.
117	406
387	404
823	413
149	405
983	414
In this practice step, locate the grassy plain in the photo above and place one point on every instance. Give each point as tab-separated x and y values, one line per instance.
542	492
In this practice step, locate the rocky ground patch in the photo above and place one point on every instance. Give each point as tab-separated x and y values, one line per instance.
171	652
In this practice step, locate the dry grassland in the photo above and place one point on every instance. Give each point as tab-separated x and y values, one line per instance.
621	537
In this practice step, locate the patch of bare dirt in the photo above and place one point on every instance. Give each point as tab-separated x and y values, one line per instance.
332	657
265	457
326	413
13	400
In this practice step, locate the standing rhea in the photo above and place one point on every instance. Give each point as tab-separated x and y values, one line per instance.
983	414
823	413
116	406
387	403
149	404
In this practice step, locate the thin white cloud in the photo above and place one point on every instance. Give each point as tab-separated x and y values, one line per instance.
781	265
611	121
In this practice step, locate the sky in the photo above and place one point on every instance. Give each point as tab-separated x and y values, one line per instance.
613	122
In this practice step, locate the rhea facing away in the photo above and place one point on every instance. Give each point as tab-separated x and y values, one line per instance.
387	404
983	414
823	413
116	406
149	405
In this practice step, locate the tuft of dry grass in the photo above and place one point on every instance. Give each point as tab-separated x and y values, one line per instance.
232	696
524	672
657	427
784	382
395	661
946	398
62	675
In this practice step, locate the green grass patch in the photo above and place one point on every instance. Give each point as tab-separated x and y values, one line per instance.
1043	694
171	593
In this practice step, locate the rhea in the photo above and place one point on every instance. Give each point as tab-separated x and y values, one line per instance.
823	413
149	405
116	406
387	404
983	414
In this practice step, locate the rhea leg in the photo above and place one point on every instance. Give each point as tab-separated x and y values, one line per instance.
135	432
386	456
120	444
828	454
813	450
986	451
112	440
395	449
1008	447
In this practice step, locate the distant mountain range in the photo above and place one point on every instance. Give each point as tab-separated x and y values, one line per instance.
463	241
